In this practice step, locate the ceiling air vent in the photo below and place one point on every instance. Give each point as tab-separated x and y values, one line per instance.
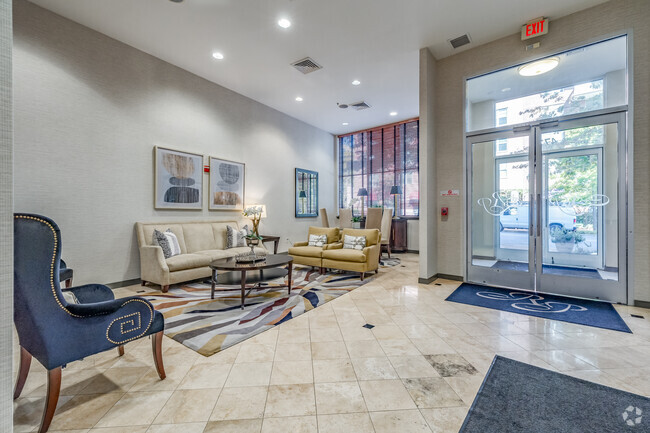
306	65
460	41
360	105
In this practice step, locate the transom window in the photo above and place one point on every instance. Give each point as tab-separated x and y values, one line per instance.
377	160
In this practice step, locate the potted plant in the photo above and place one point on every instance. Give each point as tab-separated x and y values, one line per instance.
356	222
252	240
565	240
255	213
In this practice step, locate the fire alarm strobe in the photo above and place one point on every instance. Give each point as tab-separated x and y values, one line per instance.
444	211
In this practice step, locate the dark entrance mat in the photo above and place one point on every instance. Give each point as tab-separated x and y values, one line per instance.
550	269
572	310
517	397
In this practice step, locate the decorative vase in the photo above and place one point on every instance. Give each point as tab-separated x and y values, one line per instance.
252	243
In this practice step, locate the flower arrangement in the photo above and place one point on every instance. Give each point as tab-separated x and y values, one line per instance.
255	215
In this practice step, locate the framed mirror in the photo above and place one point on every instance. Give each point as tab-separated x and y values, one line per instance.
306	193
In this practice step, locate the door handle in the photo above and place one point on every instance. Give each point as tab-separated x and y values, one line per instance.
539	215
530	215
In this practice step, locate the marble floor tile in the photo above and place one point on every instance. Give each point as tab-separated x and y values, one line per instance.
233	426
136	408
288	372
402	421
301	424
333	370
364	349
386	395
326	334
255	353
398	347
188	405
431	392
84	411
339	397
329	350
345	423
451	365
191	427
412	367
290	400
202	376
465	387
445	419
293	352
249	374
374	368
240	403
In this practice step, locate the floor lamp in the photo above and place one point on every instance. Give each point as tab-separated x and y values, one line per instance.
395	190
363	193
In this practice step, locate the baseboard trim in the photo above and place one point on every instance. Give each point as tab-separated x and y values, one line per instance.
443	276
118	284
413	251
642	304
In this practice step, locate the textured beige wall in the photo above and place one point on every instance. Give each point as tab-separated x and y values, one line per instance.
88	112
585	26
6	221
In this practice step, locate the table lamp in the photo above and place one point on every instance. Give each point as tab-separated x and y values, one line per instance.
395	190
363	193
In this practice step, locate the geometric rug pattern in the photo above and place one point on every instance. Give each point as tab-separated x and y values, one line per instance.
208	326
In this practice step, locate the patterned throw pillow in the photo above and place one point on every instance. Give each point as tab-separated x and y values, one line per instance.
236	238
168	242
317	240
354	242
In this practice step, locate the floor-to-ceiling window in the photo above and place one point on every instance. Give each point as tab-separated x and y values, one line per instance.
381	160
547	185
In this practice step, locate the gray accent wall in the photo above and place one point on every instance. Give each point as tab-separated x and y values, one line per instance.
607	19
89	111
6	221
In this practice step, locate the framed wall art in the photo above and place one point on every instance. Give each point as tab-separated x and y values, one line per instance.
227	181
178	179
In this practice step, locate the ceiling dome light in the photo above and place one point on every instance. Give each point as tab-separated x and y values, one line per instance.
539	67
345	123
298	98
393	113
356	82
284	23
217	55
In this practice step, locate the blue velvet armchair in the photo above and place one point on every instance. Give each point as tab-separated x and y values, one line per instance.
56	332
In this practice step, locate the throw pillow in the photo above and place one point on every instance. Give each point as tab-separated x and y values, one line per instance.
317	240
69	297
236	238
168	242
354	242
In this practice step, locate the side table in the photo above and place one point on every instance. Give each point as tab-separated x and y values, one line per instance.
274	239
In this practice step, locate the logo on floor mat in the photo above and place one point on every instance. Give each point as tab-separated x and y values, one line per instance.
533	302
632	416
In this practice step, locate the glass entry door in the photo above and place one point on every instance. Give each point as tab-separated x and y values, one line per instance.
547	208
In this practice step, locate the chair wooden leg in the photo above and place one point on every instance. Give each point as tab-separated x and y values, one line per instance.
165	289
68	283
23	371
143	283
52	398
389	251
120	350
156	345
363	275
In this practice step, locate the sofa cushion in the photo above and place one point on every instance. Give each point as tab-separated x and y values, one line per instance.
147	234
345	255
331	233
235	237
371	235
215	254
187	261
306	251
220	233
198	237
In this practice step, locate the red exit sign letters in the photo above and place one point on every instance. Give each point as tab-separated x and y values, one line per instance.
534	28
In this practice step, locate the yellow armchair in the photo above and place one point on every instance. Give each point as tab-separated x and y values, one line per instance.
348	259
303	254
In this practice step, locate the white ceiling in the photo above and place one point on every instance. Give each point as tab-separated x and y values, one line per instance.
374	41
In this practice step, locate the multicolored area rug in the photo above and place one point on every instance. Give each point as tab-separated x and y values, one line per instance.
385	262
208	326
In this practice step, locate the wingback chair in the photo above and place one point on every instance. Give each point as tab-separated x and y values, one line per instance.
56	332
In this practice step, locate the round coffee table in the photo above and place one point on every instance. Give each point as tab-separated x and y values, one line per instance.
254	271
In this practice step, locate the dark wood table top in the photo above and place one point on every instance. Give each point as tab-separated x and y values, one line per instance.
271	261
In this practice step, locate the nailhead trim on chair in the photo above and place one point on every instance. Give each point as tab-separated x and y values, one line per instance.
129	315
56	244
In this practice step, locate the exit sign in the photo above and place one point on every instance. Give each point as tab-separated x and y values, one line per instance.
534	28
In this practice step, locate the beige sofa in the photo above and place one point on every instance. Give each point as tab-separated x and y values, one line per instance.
201	242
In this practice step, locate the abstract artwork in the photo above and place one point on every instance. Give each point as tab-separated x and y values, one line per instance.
226	184
178	179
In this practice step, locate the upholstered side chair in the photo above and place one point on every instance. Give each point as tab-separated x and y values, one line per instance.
65	274
325	220
345	218
373	218
386	225
57	332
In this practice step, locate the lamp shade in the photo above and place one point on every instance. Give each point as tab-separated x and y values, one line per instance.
302	194
395	189
362	192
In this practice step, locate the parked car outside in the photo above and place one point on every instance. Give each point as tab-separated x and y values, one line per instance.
516	217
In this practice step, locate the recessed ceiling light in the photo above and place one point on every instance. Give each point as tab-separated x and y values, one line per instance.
345	123
393	113
299	98
356	82
539	67
284	23
217	55
506	89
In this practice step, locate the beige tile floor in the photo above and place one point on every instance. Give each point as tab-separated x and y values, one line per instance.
418	370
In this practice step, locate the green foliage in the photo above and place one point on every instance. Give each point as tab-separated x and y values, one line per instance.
562	235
